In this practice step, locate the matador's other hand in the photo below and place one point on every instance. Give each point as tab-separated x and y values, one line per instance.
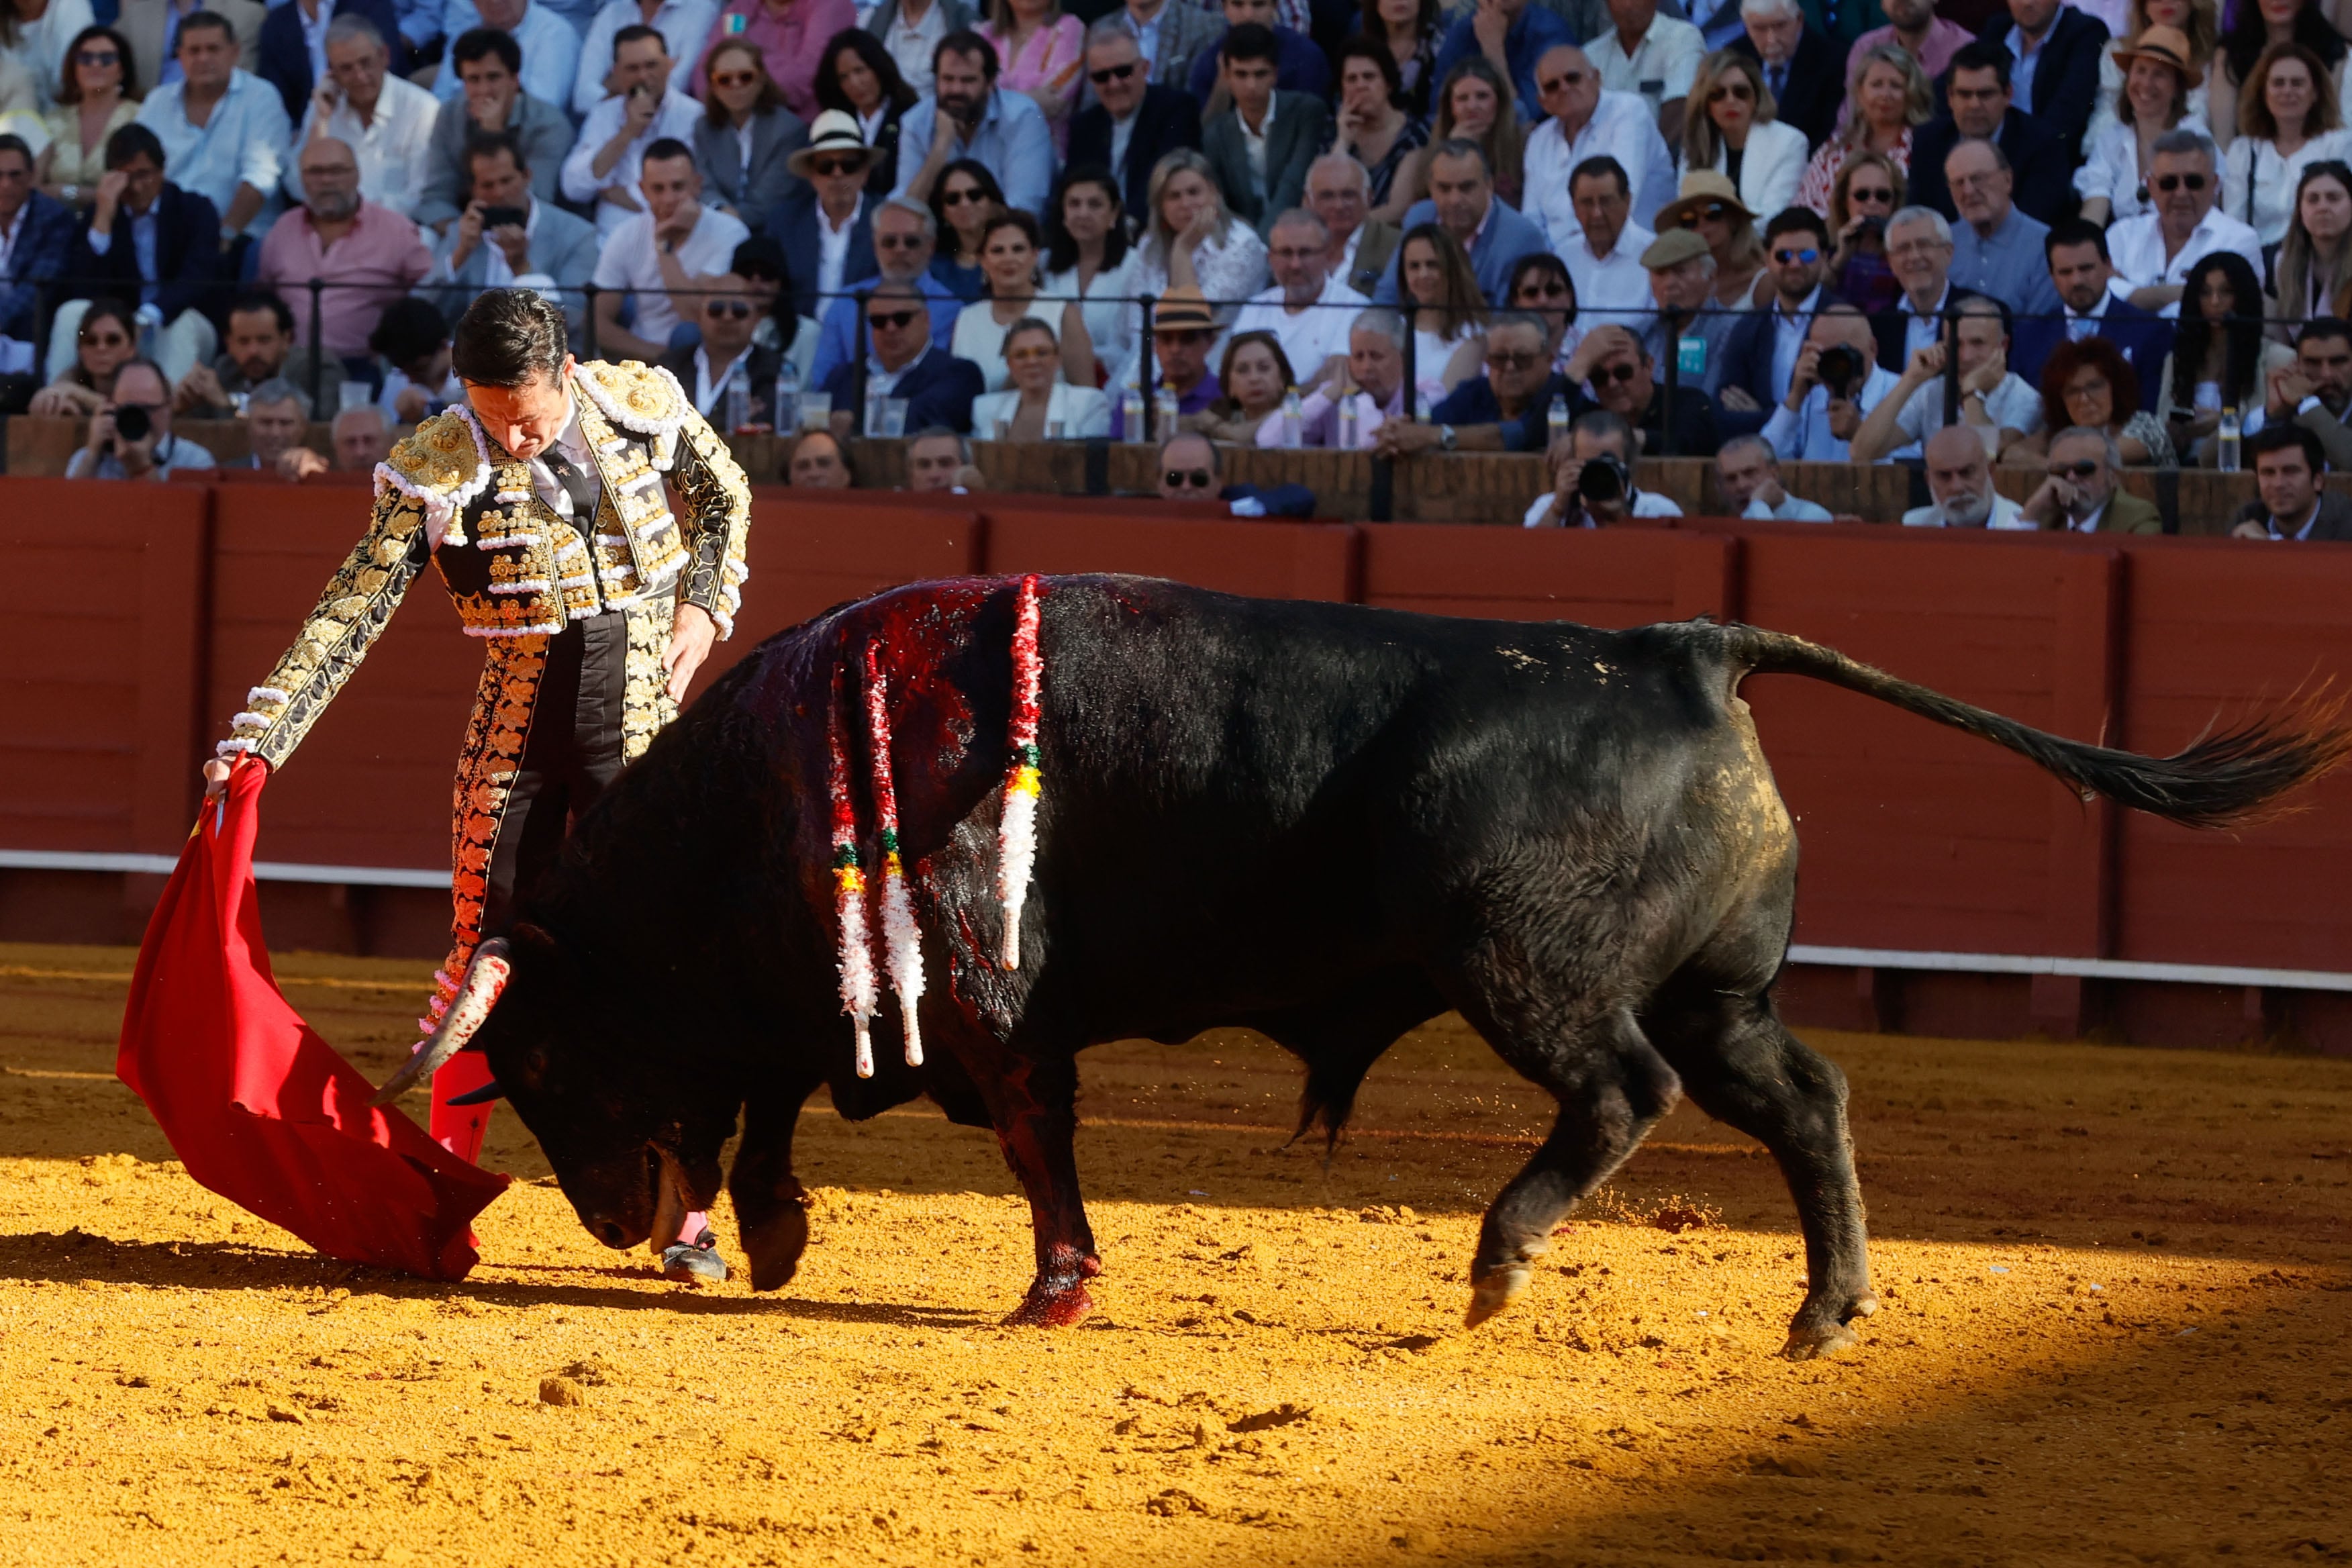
215	777
689	644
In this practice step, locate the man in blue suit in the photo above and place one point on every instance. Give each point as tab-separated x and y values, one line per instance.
1462	197
44	231
1759	354
902	363
828	216
177	274
2078	252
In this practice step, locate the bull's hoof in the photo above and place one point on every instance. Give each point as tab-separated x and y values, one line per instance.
1819	1332
1492	1292
1051	1308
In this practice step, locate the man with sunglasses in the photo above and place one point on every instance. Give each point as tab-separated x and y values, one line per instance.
902	363
1133	120
728	320
130	437
825	222
1624	379
2075	255
904	235
2155	252
1189	471
1759	356
2080	494
1508	409
1584	123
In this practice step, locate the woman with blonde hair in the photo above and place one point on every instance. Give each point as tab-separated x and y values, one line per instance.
1886	97
1193	239
1475	104
2287	120
1040	51
1449	314
2315	261
2112	178
1733	127
2196	20
1870	189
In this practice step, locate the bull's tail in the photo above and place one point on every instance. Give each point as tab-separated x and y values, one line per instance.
2236	776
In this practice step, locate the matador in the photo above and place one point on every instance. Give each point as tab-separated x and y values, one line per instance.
543	500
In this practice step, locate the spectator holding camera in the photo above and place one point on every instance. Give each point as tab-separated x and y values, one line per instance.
1834	385
2080	494
1994	400
130	436
1747	474
620	135
1592	478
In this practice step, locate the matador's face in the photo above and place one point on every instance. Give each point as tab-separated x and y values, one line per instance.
525	419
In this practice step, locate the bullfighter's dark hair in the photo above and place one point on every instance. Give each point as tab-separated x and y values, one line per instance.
510	337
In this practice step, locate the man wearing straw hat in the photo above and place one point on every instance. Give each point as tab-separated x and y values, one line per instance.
1183	330
826	224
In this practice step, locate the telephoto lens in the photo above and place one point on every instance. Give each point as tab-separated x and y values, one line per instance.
133	423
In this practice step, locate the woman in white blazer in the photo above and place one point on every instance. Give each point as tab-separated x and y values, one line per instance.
1732	126
1038	406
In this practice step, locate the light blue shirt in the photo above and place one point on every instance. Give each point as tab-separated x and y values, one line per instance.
420	20
1792	508
245	143
550	45
1804	436
683	25
2021	64
2006	265
1011	142
838	339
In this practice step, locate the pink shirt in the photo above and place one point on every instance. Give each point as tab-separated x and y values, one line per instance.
1052	60
791	39
378	261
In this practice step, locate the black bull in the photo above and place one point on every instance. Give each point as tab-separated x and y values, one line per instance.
1322	822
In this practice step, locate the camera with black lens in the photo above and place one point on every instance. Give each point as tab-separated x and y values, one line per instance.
1838	370
1603	479
133	423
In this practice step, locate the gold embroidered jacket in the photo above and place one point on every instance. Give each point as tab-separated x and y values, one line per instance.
515	566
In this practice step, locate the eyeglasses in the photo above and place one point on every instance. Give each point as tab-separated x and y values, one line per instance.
832	166
957	198
717	307
1618	373
97	58
734	79
106	341
1571	78
2168	184
1111	73
1738	90
898	242
1714	212
890	318
1505	358
1806	257
2082	470
1867	193
1187	478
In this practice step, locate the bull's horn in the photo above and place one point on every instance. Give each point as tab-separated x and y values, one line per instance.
482	1096
476	994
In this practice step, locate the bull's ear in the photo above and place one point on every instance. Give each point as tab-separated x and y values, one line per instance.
539	949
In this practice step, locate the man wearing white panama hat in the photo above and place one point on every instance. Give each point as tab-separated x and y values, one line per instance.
826	224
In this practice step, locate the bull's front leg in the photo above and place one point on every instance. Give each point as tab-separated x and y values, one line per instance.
1033	1103
771	1204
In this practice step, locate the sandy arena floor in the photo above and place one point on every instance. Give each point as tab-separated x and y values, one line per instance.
2118	1286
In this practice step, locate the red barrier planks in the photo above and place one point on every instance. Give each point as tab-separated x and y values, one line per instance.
1605	578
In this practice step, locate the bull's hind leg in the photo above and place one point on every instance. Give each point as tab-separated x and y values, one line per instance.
771	1204
1612	1088
1743	1066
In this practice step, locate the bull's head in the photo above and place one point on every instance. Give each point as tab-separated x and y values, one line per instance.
635	1140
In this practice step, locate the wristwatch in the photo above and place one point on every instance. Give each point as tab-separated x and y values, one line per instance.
1446	439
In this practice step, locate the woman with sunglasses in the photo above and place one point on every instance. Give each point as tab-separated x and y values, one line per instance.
744	138
1193	240
2261	24
1870	189
1741	135
2288	121
2090	384
1040	51
2113	179
2220	357
785	32
2315	261
1449	317
1475	103
1408	32
1887	96
99	96
1540	284
1038	405
859	78
1372	128
2195	20
106	339
1089	261
965	198
1252	379
1009	259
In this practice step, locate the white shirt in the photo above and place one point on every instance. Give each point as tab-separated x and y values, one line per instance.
629	261
831	251
2258	186
2005	515
1616	287
2012	406
1122	132
881	381
911	47
393	148
2023	59
2136	247
1792	508
1624	126
683	25
676	117
1662	66
1646	503
1254	144
1311	336
708	391
573	444
1804	435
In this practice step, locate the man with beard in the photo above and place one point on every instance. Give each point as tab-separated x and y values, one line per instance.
2081	273
1959	476
2315	392
967	115
367	255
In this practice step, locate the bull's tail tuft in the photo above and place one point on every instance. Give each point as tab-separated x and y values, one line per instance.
2232	778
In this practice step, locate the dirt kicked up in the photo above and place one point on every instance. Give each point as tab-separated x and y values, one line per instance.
2117	1289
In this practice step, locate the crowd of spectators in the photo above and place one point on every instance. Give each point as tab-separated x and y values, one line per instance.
2083	235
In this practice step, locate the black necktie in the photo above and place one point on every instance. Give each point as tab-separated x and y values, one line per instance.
1777	78
580	487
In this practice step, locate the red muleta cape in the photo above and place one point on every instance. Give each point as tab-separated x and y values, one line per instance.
260	1109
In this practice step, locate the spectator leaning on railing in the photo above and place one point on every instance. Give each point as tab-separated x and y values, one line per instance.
2293	501
259	346
819	462
937	460
936	388
1959	476
276	417
1039	404
1747	474
1368	392
726	319
2315	392
130	437
1592	478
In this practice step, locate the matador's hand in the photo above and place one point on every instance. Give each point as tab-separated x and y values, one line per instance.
689	644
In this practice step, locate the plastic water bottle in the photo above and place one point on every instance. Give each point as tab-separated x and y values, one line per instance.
788	397
2231	428
1130	414
1348	430
1164	413
737	405
1294	420
1556	419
